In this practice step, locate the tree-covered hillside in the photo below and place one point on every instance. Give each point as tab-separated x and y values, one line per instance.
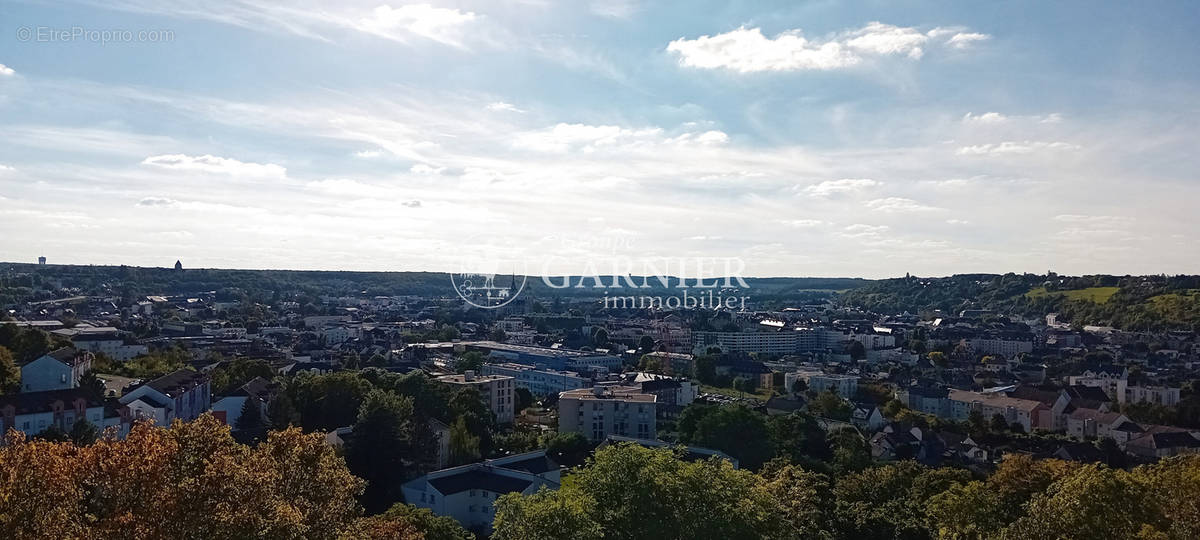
1126	302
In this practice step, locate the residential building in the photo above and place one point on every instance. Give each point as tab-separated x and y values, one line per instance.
539	381
1163	444
258	391
1083	423
497	391
608	410
1112	379
60	369
183	394
468	493
1013	410
997	346
776	342
1159	395
33	412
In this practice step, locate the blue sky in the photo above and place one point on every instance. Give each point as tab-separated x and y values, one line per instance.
804	138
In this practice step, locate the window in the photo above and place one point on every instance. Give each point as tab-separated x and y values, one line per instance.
472	493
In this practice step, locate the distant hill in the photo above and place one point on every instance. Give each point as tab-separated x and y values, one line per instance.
1127	302
21	282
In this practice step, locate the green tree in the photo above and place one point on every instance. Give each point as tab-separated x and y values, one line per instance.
250	420
851	451
646	343
464	447
281	412
807	498
523	399
10	374
1081	505
630	492
831	405
380	446
888	502
497	335
469	361
569	449
797	437
938	358
734	429
545	515
84	433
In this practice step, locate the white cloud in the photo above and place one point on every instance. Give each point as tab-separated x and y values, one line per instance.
985	118
958	222
884	39
860	230
1015	148
368	154
422	168
748	50
157	201
443	25
502	106
963	40
6	71
998	118
838	187
804	223
898	204
411	204
215	164
5	168
563	137
617	9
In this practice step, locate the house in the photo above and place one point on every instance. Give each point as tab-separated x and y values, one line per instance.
183	394
1163	444
608	410
260	391
60	369
33	412
1082	452
867	416
1083	423
468	493
778	405
497	391
892	445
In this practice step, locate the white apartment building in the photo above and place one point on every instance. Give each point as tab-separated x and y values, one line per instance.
1161	395
468	493
497	391
1007	348
539	382
608	410
33	412
60	369
818	381
1013	410
183	394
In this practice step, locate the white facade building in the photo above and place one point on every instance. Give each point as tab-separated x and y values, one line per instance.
601	411
60	369
183	394
539	382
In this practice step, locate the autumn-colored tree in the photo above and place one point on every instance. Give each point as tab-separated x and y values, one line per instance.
191	480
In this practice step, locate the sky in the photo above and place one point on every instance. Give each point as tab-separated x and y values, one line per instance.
866	139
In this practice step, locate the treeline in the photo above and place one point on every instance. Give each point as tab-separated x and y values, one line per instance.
266	286
629	492
1139	303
